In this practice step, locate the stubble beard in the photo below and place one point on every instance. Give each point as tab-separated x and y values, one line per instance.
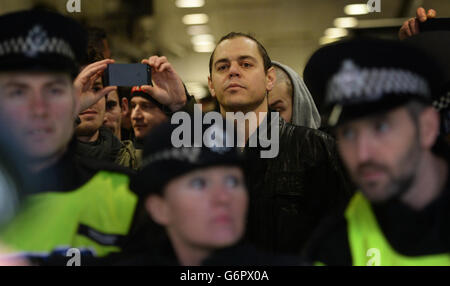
398	185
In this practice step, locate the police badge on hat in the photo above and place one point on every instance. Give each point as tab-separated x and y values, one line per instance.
355	77
41	40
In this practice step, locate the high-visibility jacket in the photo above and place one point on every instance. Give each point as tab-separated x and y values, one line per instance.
369	246
96	216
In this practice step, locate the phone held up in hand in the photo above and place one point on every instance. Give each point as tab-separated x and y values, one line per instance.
127	75
435	24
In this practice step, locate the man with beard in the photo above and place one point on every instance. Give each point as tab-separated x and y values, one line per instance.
378	94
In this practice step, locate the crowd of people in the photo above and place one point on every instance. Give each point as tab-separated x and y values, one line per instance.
360	178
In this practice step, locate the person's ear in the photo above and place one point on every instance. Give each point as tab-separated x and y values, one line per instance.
429	127
157	208
124	106
211	87
271	78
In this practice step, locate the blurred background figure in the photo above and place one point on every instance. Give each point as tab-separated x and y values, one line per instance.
126	127
291	98
98	40
146	114
113	114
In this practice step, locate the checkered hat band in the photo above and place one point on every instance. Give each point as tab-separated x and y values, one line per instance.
369	84
35	43
442	102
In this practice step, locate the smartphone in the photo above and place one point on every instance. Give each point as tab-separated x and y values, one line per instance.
127	75
435	24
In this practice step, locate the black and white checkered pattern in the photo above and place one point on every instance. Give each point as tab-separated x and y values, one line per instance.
356	84
442	102
34	43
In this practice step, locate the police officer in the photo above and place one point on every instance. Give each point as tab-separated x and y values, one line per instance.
378	96
75	202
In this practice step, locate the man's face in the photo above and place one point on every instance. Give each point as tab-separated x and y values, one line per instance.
238	79
145	115
126	114
381	153
206	208
106	51
92	118
113	115
40	108
280	99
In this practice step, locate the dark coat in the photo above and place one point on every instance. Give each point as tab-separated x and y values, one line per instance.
291	193
108	148
162	254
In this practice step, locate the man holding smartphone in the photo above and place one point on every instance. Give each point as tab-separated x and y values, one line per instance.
95	140
159	80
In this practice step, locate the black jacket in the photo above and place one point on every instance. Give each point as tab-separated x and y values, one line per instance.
288	195
152	247
72	171
106	147
162	253
291	193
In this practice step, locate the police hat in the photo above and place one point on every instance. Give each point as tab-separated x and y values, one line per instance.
162	161
437	44
357	77
41	40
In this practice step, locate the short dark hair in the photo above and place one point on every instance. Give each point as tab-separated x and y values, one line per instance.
95	37
266	59
124	91
95	47
92	55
